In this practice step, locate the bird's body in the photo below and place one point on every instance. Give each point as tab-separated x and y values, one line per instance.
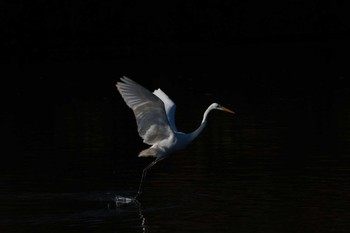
155	117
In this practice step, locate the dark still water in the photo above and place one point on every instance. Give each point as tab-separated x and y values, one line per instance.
276	166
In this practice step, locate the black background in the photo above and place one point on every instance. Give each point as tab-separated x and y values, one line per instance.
282	66
251	51
60	44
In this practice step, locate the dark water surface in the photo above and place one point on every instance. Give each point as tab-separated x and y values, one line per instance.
276	166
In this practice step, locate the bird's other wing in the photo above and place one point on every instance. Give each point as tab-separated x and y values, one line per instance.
151	118
169	105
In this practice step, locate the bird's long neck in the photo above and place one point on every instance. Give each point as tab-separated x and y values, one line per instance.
195	133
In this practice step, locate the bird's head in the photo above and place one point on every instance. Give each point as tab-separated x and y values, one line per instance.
219	107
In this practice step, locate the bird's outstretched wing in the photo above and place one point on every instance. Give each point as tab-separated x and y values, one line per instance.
152	122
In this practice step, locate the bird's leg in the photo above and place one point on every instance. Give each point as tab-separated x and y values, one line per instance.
144	173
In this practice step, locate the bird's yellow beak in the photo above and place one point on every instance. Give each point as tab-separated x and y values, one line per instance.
227	110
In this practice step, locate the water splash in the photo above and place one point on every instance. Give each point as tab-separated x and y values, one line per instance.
120	201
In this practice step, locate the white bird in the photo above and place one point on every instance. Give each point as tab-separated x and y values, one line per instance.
154	113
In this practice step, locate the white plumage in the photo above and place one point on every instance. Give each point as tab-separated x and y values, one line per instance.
155	113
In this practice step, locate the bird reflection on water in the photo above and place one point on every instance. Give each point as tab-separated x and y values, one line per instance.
121	201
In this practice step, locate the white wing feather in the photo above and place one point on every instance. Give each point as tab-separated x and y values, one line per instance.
170	107
151	118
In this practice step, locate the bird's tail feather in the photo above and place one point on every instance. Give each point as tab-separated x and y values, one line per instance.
150	152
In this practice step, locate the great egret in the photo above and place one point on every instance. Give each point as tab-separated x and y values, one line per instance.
154	113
